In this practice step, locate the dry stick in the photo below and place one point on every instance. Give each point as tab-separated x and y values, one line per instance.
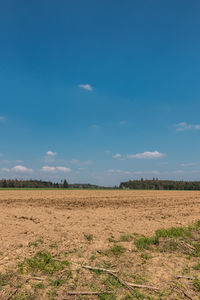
149	287
88	293
12	294
184	292
114	275
99	269
185	277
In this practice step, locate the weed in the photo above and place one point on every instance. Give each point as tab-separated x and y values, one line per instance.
116	250
145	256
196	284
43	262
197	266
89	237
126	238
145	242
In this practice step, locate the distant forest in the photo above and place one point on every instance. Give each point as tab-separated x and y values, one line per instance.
156	184
142	184
9	183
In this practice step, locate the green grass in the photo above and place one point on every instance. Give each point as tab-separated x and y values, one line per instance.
196	284
172	235
89	237
126	238
116	250
197	266
146	242
42	262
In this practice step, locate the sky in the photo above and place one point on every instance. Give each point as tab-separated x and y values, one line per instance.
100	91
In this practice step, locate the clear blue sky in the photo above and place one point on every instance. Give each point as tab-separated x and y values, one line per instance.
100	91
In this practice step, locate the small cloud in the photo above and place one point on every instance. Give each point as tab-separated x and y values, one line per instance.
117	171
55	169
50	156
86	87
178	172
51	153
187	165
146	155
1	154
117	155
95	126
123	122
183	126
21	169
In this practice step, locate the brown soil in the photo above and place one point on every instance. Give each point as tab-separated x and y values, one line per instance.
64	219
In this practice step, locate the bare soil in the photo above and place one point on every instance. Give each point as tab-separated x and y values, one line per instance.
81	225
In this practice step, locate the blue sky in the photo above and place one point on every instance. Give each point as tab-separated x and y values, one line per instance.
99	91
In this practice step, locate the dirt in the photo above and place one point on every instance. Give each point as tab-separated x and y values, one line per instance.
62	220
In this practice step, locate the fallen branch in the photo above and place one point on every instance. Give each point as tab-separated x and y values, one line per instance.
99	269
34	278
142	286
12	294
88	293
128	285
185	277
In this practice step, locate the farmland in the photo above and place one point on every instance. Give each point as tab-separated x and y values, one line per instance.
49	236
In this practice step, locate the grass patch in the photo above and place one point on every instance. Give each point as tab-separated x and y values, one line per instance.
126	238
42	262
145	242
116	250
197	266
169	239
89	237
196	284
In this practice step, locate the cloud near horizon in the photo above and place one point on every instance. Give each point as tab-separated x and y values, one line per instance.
55	169
21	169
86	87
117	155
146	155
183	126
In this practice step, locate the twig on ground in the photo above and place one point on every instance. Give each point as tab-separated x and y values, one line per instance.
128	285
185	277
88	293
149	287
12	294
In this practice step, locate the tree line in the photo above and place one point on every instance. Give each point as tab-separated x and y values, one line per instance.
156	184
15	183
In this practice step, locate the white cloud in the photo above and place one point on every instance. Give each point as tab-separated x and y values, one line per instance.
117	171
117	155
178	172
187	165
50	156
146	155
123	122
86	87
51	153
1	154
55	169
21	169
95	126
185	126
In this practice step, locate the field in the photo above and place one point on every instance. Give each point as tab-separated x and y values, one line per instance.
149	238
